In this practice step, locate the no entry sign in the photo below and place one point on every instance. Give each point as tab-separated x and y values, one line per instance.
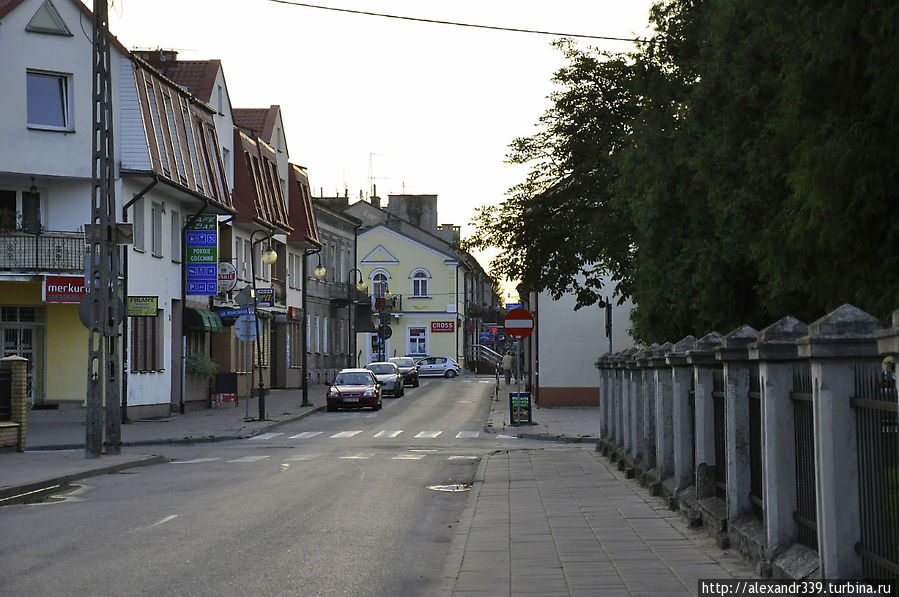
519	323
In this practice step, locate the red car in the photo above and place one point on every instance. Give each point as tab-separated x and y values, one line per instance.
354	388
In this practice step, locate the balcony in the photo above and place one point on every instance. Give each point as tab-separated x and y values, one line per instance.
343	294
62	252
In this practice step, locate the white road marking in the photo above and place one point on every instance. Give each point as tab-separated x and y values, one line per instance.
346	434
250	459
303	457
356	457
194	461
420	450
468	435
462	458
486	381
506	436
266	435
305	435
388	433
408	457
168	518
428	434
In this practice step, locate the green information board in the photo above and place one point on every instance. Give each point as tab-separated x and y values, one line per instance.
520	408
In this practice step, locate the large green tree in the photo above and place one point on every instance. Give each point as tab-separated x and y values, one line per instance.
739	167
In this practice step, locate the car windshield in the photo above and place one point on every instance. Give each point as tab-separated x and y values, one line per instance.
382	369
402	362
353	379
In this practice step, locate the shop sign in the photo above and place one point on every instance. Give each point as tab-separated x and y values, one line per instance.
142	306
201	254
64	289
443	326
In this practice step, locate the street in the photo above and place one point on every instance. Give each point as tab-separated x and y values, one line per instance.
334	504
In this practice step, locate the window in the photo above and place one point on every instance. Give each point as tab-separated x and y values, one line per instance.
48	101
146	340
176	237
139	233
173	132
326	344
379	290
418	341
157	128
294	344
420	282
156	229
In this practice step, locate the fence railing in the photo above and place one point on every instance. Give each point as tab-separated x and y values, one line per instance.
812	452
48	251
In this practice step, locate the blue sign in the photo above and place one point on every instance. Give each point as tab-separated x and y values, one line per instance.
265	297
511	306
236	312
201	256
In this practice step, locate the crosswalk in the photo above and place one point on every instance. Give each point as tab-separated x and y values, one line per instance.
384	433
412	454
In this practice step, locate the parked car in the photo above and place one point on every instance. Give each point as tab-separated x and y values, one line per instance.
408	369
354	388
389	377
444	366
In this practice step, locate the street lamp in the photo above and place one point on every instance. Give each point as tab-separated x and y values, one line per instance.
361	286
269	256
319	273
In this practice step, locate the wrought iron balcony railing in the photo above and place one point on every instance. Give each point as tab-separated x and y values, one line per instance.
44	252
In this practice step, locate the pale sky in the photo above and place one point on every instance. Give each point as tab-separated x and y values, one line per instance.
411	107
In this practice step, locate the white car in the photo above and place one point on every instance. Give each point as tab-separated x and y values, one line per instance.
443	366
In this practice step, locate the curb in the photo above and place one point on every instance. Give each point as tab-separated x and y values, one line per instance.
20	493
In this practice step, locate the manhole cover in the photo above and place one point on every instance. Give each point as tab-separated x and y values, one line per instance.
453	488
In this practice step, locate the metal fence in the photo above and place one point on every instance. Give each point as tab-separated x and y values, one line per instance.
719	402
806	513
756	494
876	409
48	251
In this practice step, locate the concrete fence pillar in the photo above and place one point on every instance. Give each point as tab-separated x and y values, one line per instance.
636	397
682	424
664	413
618	414
836	344
734	355
630	389
604	402
648	432
776	353
702	358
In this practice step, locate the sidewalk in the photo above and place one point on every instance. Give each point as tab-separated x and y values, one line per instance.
564	521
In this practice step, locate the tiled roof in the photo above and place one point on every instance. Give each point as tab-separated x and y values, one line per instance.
257	192
198	76
259	120
302	217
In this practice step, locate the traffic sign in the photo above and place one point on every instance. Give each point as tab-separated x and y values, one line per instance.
519	323
226	313
245	328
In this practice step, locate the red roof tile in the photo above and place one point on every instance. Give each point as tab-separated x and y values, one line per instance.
259	120
198	76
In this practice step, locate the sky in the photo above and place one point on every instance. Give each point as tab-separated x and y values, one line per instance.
410	107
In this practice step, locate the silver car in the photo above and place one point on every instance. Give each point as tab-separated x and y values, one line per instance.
443	366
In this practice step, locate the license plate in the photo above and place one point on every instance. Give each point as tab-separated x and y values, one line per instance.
351	400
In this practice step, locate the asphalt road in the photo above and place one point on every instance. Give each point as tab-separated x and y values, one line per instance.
335	504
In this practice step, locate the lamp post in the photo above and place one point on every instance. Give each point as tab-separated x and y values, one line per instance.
319	273
269	256
351	336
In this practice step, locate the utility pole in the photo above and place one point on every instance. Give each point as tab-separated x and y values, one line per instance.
103	373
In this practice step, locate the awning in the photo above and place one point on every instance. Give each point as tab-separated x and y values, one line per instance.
203	320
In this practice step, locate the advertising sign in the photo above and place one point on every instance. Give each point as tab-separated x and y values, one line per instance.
201	255
64	289
520	408
443	326
265	297
142	306
227	276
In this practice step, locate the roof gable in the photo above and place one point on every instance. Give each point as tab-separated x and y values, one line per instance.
48	20
379	256
382	229
257	189
302	216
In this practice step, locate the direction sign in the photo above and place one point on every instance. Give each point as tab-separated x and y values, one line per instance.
245	328
519	323
224	313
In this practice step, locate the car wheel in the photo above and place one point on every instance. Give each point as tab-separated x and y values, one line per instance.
378	405
415	383
402	391
450	373
331	408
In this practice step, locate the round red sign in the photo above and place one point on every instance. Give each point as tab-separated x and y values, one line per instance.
519	323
